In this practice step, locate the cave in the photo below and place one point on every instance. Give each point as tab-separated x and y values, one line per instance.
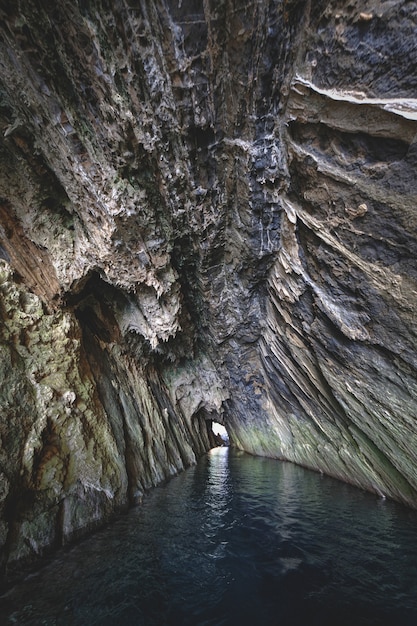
206	209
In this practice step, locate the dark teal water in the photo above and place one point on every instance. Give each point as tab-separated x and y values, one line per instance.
235	541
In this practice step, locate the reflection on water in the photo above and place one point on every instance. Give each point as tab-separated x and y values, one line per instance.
236	540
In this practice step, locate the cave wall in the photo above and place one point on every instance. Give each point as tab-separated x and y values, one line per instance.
207	210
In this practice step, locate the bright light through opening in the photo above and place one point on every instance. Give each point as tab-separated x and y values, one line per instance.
219	430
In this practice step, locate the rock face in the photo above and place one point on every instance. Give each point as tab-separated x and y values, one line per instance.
207	211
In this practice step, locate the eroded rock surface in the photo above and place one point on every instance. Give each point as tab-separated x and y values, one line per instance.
207	211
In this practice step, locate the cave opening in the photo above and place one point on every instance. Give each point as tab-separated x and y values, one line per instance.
221	435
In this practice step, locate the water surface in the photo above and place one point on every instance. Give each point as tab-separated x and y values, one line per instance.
235	541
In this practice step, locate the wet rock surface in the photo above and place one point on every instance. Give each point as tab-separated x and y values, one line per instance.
207	211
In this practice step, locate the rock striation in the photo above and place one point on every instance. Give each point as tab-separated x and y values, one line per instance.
207	211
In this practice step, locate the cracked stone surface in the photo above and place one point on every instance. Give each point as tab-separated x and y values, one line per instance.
207	211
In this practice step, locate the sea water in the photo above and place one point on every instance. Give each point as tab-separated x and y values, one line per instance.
235	541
